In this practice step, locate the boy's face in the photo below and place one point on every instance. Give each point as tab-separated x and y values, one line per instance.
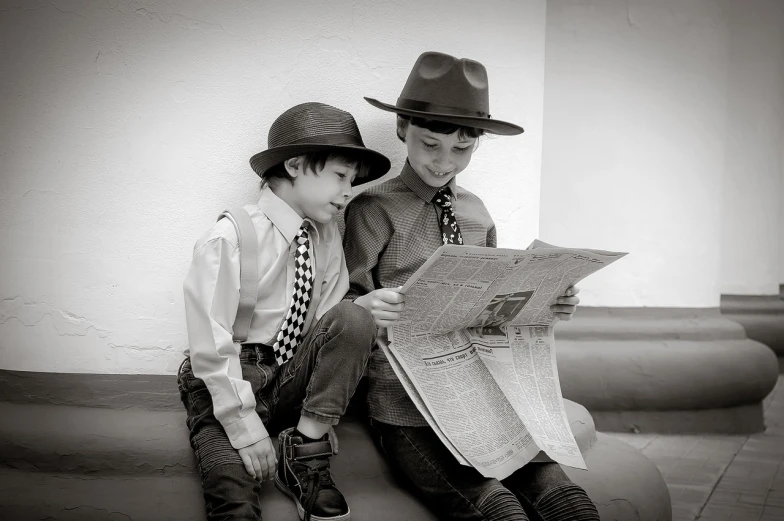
437	158
321	196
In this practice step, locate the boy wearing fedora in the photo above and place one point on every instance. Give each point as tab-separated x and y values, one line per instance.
306	348
391	230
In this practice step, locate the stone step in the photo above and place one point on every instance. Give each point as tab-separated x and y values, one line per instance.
67	462
138	442
96	441
35	496
623	484
96	447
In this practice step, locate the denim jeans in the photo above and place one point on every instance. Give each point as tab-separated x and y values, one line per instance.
318	383
538	491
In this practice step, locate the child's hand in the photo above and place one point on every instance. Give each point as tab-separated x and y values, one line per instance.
259	459
385	305
567	304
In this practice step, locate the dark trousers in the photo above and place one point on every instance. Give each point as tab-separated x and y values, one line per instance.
318	383
538	491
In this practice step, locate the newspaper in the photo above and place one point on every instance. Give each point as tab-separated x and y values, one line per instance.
474	349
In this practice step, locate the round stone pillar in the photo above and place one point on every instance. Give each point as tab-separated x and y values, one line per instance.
635	130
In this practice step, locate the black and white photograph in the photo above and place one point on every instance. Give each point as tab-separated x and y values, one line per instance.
212	211
502	308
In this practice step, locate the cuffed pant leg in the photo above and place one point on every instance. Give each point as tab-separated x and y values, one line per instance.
451	490
321	378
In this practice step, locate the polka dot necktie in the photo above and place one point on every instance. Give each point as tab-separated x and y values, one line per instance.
291	331
450	231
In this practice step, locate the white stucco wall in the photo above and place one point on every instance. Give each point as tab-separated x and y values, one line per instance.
634	130
127	127
753	195
780	262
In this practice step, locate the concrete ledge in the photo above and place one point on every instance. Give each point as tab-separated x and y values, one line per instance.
761	316
67	439
116	391
70	462
28	496
693	368
623	483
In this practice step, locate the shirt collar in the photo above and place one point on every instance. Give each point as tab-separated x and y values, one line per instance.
423	190
283	216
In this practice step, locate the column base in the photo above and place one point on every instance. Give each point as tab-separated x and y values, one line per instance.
744	419
662	370
762	316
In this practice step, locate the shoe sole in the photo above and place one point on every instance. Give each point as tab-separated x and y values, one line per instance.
301	511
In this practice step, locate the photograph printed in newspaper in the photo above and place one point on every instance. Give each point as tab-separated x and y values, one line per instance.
475	351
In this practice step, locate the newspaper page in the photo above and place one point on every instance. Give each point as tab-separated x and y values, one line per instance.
522	362
468	407
417	399
476	344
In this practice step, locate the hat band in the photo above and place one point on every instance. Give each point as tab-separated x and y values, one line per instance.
327	139
425	106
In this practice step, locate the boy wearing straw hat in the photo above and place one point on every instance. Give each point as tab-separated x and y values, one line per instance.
391	230
298	361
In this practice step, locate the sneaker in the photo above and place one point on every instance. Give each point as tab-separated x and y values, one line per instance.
303	475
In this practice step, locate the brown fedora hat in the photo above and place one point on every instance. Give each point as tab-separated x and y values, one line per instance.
317	127
444	88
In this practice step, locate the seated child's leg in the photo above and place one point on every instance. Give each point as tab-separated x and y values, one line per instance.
449	489
229	491
553	495
323	375
316	386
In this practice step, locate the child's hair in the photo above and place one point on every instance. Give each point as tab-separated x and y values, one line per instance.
439	127
315	161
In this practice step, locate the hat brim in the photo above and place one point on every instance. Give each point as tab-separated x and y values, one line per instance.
378	164
494	126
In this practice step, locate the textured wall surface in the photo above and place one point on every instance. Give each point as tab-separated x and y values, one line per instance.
635	117
753	193
127	127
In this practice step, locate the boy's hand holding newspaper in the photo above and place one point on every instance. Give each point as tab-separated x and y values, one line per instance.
566	304
385	305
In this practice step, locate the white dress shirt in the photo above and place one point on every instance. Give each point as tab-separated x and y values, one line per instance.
212	295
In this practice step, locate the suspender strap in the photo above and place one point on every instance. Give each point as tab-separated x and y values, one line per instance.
249	270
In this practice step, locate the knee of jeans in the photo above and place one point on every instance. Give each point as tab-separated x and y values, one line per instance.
213	450
500	504
566	502
355	322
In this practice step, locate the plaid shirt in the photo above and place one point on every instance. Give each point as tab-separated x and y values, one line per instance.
391	230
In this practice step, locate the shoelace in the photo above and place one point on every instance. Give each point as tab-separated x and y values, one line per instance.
316	476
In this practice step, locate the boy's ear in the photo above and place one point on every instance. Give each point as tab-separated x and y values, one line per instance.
401	128
293	166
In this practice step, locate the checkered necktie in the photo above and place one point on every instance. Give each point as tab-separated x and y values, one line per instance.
450	231
291	331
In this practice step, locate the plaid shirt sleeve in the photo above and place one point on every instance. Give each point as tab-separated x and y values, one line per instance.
368	231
